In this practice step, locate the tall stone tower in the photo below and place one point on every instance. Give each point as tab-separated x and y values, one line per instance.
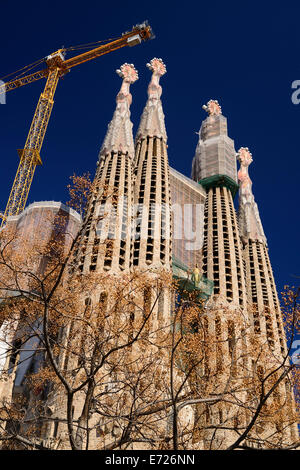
103	247
261	289
152	247
263	304
214	167
128	225
106	243
244	308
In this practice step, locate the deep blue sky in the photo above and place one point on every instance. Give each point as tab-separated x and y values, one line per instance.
245	54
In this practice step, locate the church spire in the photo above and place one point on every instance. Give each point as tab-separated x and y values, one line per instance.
249	219
107	246
260	283
152	122
214	167
152	247
119	134
213	108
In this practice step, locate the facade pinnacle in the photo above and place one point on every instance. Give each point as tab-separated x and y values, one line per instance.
212	108
214	163
119	134
152	122
249	219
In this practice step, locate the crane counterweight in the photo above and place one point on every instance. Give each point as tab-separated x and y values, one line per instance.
134	40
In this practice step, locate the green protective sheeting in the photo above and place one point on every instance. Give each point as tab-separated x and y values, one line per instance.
187	281
219	181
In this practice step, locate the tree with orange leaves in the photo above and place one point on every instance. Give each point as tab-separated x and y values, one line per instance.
105	375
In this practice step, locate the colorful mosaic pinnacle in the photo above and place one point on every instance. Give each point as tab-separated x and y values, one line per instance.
157	66
152	121
128	72
244	156
212	108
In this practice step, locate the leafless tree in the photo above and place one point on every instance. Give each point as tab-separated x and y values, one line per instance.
102	372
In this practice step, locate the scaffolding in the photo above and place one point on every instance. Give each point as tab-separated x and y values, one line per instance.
215	152
187	200
187	283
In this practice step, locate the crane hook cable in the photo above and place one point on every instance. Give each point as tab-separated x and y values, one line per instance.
90	44
25	69
29	67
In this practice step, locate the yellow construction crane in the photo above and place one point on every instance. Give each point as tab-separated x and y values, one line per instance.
56	67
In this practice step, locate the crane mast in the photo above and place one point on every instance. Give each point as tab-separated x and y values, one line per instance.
30	155
57	66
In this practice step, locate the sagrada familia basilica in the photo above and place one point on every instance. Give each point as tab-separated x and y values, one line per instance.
158	219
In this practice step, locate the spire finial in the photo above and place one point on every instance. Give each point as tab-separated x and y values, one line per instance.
158	69
249	219
130	75
152	122
128	72
244	156
212	108
119	133
157	66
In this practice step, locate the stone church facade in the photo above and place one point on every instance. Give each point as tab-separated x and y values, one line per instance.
145	215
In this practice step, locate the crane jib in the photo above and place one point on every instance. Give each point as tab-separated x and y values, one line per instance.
57	66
